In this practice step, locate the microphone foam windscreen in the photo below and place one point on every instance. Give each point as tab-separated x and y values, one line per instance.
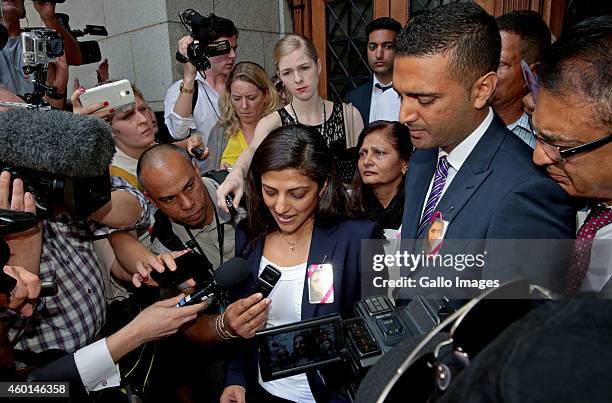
55	142
232	273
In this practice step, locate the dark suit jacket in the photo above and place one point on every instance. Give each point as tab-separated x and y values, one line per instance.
361	97
498	194
339	245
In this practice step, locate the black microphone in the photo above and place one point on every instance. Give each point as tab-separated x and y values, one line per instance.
55	142
228	275
3	36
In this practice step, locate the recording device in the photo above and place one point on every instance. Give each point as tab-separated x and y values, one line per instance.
62	158
354	345
119	95
219	176
297	347
198	53
40	46
189	265
230	274
90	50
266	281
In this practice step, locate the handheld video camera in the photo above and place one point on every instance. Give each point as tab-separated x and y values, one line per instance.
354	344
79	197
198	53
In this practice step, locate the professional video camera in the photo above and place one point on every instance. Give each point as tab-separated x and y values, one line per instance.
199	52
354	344
61	157
90	50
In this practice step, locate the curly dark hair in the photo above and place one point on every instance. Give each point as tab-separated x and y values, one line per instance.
213	28
304	149
465	30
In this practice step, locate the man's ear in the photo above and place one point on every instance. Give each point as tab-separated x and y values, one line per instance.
149	198
483	89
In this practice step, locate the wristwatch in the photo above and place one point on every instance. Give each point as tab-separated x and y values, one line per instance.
185	90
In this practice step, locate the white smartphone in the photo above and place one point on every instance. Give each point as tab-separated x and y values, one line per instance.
119	95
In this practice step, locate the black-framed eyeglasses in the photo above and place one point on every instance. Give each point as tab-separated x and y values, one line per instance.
556	154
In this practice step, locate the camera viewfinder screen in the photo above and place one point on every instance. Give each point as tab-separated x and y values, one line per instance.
295	351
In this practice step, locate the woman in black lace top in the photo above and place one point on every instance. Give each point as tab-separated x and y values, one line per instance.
377	191
298	67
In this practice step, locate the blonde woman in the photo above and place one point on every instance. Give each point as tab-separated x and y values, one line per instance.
298	67
249	95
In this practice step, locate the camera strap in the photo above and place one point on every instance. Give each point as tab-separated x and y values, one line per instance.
220	237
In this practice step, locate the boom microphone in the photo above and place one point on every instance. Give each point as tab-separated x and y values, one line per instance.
55	142
228	275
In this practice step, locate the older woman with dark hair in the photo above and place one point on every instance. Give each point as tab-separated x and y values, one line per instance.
377	191
298	221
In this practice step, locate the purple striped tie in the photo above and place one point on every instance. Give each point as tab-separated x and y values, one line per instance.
435	193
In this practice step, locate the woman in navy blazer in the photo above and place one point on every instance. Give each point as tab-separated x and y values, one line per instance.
297	218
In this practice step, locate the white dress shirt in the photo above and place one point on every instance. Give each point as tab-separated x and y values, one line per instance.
205	115
96	367
387	106
459	154
287	308
522	129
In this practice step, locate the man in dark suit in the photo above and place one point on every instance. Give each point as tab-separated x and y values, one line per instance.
469	169
381	51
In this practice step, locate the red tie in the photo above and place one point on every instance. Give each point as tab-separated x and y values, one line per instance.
598	217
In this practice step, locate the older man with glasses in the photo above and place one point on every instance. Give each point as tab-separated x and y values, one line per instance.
573	122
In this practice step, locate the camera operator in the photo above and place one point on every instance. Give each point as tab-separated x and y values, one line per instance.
11	62
182	111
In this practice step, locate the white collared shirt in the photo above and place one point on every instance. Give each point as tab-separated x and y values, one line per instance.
522	129
205	115
387	106
96	366
382	105
459	154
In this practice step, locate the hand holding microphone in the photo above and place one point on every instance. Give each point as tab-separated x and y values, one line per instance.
20	289
230	274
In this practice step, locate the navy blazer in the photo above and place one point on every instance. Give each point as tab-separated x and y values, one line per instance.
339	245
361	97
497	194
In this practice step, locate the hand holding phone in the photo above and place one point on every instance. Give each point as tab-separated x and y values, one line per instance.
118	96
266	281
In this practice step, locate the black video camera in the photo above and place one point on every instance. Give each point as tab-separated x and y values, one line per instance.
198	53
79	197
344	350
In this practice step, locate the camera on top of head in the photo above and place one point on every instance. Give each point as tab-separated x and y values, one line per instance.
203	47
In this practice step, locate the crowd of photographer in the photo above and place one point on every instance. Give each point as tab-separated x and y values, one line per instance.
137	268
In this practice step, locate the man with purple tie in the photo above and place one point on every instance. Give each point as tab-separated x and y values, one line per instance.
469	169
